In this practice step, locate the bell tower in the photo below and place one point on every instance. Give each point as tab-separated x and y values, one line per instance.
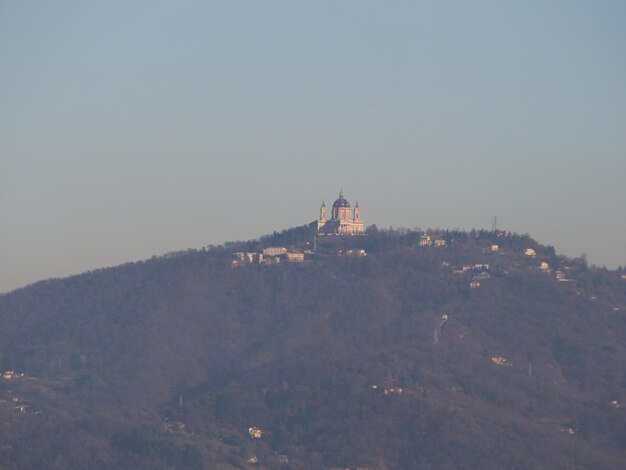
323	212
357	212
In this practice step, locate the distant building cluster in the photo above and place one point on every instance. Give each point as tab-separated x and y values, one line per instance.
280	254
343	221
427	240
479	272
270	255
11	374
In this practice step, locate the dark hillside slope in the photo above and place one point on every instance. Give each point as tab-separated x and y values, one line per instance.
338	361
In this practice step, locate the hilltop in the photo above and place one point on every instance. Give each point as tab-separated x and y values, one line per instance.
396	349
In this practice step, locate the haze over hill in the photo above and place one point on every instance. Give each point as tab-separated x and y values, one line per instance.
398	349
131	129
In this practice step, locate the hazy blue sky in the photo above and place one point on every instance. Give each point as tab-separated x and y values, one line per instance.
129	129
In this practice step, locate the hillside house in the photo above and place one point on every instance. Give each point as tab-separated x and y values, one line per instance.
274	251
425	240
530	253
294	257
500	361
271	260
242	258
477	268
255	432
11	374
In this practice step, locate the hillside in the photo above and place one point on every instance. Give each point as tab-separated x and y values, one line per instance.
455	356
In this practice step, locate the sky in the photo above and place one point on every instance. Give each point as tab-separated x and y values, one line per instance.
133	129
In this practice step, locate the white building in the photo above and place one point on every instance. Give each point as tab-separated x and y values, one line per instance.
343	220
426	240
274	250
530	253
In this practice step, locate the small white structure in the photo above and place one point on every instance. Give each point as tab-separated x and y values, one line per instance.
495	248
531	253
440	243
426	240
544	266
255	432
500	361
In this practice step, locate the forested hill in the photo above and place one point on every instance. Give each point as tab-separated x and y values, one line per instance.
458	356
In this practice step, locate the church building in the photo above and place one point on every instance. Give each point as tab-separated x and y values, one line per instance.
343	220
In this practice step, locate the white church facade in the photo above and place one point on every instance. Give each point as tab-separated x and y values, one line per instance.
343	220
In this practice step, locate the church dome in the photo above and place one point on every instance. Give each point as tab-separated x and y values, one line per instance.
341	202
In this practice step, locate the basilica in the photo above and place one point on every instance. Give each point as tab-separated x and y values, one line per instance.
343	220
